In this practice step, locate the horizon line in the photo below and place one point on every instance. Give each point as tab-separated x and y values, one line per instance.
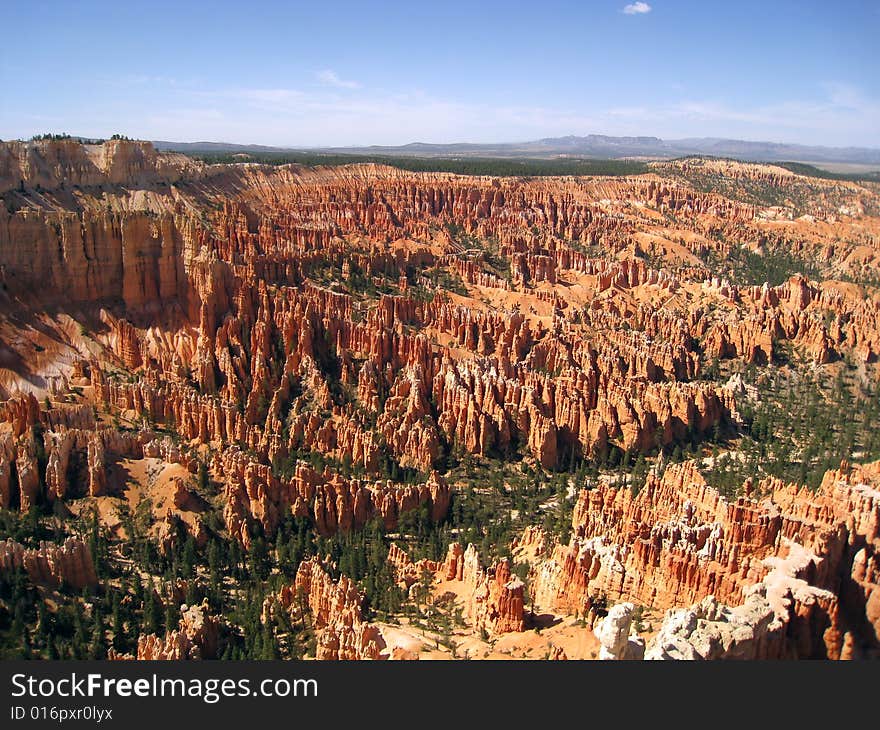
283	146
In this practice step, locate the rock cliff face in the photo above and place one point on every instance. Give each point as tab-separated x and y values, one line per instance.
60	164
493	598
62	464
51	565
333	503
780	618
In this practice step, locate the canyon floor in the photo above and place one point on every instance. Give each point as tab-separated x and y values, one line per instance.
355	412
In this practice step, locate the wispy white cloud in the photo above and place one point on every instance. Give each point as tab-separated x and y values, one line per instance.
846	96
268	96
839	114
842	117
140	79
836	113
329	77
638	8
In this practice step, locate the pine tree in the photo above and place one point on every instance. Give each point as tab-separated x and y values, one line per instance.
96	648
269	650
119	639
152	612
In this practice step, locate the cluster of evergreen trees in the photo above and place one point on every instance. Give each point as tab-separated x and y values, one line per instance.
742	266
503	167
799	425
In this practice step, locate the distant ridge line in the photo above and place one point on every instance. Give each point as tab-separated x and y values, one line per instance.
590	146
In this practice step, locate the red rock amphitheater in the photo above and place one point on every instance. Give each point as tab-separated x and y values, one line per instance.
332	344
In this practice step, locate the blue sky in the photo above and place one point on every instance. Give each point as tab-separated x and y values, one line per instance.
353	73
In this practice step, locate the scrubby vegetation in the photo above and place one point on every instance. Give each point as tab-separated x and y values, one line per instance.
796	425
801	168
772	265
504	167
